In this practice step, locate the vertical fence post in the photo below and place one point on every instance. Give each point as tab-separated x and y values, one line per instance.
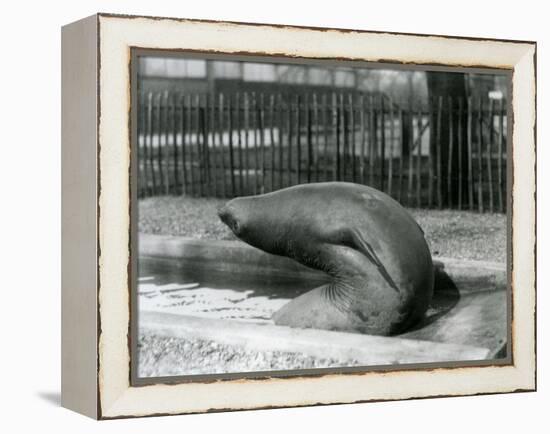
419	158
362	127
372	140
479	156
438	152
205	149
470	156
401	156
221	121
246	141
298	141
411	153
175	157
153	142
309	143
231	122
390	149
158	142
434	126
280	123
183	132
352	138
239	144
161	143
186	151
344	139
189	144
198	147
207	136
217	141
139	148
272	139
382	142
166	153
326	159
204	145
261	131
489	154
459	133
149	143
231	149
317	135
254	128
193	152
289	141
336	133
450	159
499	161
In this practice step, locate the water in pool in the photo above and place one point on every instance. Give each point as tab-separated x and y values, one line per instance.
169	287
474	315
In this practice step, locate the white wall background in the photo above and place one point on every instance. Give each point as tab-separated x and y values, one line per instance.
30	217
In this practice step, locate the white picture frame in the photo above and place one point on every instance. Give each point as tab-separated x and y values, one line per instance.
96	275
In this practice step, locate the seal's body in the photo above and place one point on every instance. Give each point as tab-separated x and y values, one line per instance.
379	262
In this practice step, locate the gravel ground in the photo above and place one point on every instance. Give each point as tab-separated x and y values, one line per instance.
464	234
456	234
185	216
162	356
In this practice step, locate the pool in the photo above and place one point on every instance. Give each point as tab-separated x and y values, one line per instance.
469	308
214	317
170	287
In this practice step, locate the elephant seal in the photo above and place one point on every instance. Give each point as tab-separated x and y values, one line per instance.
380	265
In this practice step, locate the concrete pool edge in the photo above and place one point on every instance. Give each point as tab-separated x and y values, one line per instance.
366	349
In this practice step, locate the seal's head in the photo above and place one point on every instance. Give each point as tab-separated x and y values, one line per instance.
250	220
236	214
232	217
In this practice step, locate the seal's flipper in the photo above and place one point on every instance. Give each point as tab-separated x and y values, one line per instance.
358	242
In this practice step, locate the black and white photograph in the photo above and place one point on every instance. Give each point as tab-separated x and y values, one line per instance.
272	217
298	217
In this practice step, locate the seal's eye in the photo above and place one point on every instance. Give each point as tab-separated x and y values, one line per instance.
235	227
227	215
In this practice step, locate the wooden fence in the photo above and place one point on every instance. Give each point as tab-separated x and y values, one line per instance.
244	143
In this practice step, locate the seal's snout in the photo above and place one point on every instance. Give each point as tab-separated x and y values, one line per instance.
223	212
227	215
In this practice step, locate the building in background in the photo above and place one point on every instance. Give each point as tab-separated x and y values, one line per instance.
213	76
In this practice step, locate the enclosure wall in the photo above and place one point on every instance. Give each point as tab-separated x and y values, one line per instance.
79	217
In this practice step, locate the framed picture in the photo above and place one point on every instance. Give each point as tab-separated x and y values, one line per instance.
262	216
